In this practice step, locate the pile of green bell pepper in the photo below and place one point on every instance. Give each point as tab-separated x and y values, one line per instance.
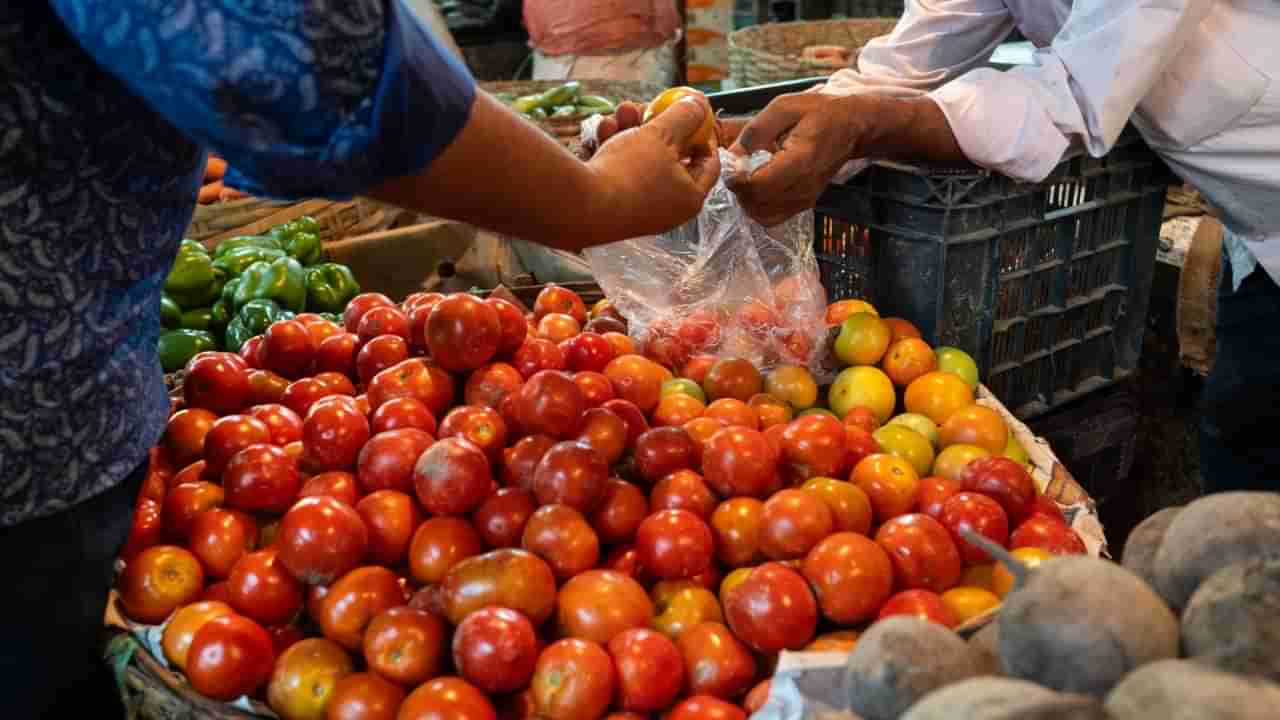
564	100
222	298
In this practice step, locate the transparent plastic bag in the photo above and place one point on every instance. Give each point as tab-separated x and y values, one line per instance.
721	285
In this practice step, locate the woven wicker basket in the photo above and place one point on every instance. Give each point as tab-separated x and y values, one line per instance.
566	129
764	54
211	224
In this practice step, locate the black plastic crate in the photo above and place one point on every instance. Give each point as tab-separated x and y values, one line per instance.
1046	285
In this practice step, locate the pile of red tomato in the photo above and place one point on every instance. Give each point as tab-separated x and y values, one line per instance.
447	509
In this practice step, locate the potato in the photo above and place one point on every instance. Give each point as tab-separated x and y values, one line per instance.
985	645
1211	533
1231	620
1143	542
900	660
991	698
1190	690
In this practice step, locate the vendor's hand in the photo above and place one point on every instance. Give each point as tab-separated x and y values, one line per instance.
812	136
653	177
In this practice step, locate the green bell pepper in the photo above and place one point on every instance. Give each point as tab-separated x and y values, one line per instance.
219	316
191	274
176	347
187	246
330	287
258	241
252	319
282	280
198	319
561	95
228	294
236	260
301	240
170	312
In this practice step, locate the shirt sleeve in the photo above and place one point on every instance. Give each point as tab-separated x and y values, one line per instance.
301	99
934	42
1082	88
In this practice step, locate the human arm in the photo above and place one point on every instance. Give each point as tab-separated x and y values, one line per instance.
1082	90
346	101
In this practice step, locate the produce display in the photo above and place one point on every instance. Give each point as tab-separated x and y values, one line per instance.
213	190
462	509
220	299
562	101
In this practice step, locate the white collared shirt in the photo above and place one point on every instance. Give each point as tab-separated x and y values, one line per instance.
1195	77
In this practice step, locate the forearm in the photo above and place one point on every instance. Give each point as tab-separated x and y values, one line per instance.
504	174
906	130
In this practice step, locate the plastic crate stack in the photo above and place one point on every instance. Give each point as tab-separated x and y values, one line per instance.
1046	285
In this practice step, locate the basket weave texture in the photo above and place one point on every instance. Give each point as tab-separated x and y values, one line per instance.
211	224
763	54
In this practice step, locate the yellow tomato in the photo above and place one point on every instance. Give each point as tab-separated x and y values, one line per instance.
863	386
951	461
1002	579
670	97
967	603
975	425
902	441
863	339
937	395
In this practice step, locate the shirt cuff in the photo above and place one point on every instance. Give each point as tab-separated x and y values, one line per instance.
1000	125
422	102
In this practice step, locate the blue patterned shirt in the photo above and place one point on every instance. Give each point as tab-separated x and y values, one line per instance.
107	108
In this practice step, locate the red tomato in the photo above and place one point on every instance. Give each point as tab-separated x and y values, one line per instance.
284	637
463	332
814	446
858	444
259	586
923	553
501	518
740	462
386	462
452	477
300	395
521	460
230	656
228	436
183	503
557	299
378	354
979	514
401	413
662	451
631	415
705	707
536	355
337	383
1005	481
336	484
410	378
604	432
793	521
596	388
262	478
391	517
332	436
716	662
1046	533
287	348
488	385
587	352
773	609
160	579
219	538
321	539
249	352
266	387
933	492
382	321
145	531
365	696
439	544
354	601
184	435
1044	505
338	353
573	680
572	474
918	603
360	305
284	424
675	544
447	698
216	381
496	649
514	327
550	403
650	670
851	576
405	645
483	426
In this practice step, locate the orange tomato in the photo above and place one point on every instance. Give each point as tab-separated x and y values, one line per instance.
670	97
793	385
862	417
622	345
158	581
979	576
178	632
891	484
863	339
967	603
938	394
839	641
305	676
677	409
1002	580
901	329
734	413
841	309
975	425
951	461
908	359
770	410
637	380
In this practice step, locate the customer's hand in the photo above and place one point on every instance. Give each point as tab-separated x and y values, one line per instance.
654	177
627	116
812	136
